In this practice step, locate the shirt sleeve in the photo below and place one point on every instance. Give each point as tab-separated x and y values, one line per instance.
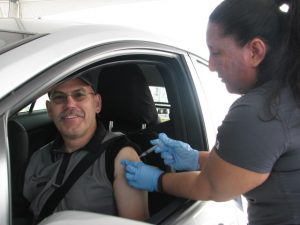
247	140
113	150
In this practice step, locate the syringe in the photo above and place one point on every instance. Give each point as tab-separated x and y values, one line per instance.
148	151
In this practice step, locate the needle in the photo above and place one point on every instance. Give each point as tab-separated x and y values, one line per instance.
148	151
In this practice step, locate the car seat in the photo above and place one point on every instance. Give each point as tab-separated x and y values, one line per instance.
18	148
128	106
127	103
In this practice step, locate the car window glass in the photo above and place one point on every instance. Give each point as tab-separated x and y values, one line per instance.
161	101
11	37
218	96
40	104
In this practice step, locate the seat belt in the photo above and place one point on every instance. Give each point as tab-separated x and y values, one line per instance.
79	169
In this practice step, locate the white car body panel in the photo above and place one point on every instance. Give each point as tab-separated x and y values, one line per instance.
21	64
79	218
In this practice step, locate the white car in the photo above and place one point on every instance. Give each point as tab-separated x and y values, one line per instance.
35	56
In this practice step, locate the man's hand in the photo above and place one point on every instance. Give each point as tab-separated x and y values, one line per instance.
176	154
141	176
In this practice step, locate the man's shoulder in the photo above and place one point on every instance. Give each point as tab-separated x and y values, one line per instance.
110	135
42	152
119	142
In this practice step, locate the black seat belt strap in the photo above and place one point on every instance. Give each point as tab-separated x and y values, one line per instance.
80	168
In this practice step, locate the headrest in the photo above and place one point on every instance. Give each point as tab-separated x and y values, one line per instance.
126	98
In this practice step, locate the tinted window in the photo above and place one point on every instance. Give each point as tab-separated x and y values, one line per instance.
11	37
10	40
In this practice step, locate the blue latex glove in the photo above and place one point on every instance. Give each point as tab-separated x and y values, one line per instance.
141	176
176	154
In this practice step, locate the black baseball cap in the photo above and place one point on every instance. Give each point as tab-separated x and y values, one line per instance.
89	78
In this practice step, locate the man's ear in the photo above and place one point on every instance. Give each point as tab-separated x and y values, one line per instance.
258	50
98	103
49	109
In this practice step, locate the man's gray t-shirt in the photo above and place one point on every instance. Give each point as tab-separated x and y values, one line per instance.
92	192
251	138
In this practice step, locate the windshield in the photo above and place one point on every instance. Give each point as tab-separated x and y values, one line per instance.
7	37
10	40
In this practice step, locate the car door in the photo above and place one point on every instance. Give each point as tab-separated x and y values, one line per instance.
186	100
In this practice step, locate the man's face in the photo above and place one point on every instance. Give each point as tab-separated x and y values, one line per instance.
230	61
73	106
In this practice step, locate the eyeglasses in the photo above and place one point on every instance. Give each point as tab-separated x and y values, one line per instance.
62	98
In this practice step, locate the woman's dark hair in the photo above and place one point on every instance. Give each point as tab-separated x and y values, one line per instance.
247	19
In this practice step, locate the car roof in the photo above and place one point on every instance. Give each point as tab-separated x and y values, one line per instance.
62	40
36	26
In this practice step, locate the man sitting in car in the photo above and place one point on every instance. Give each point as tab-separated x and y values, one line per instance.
102	188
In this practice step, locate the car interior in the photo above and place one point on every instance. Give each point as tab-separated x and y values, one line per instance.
140	98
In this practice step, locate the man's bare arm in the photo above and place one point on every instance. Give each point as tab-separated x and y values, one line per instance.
138	207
